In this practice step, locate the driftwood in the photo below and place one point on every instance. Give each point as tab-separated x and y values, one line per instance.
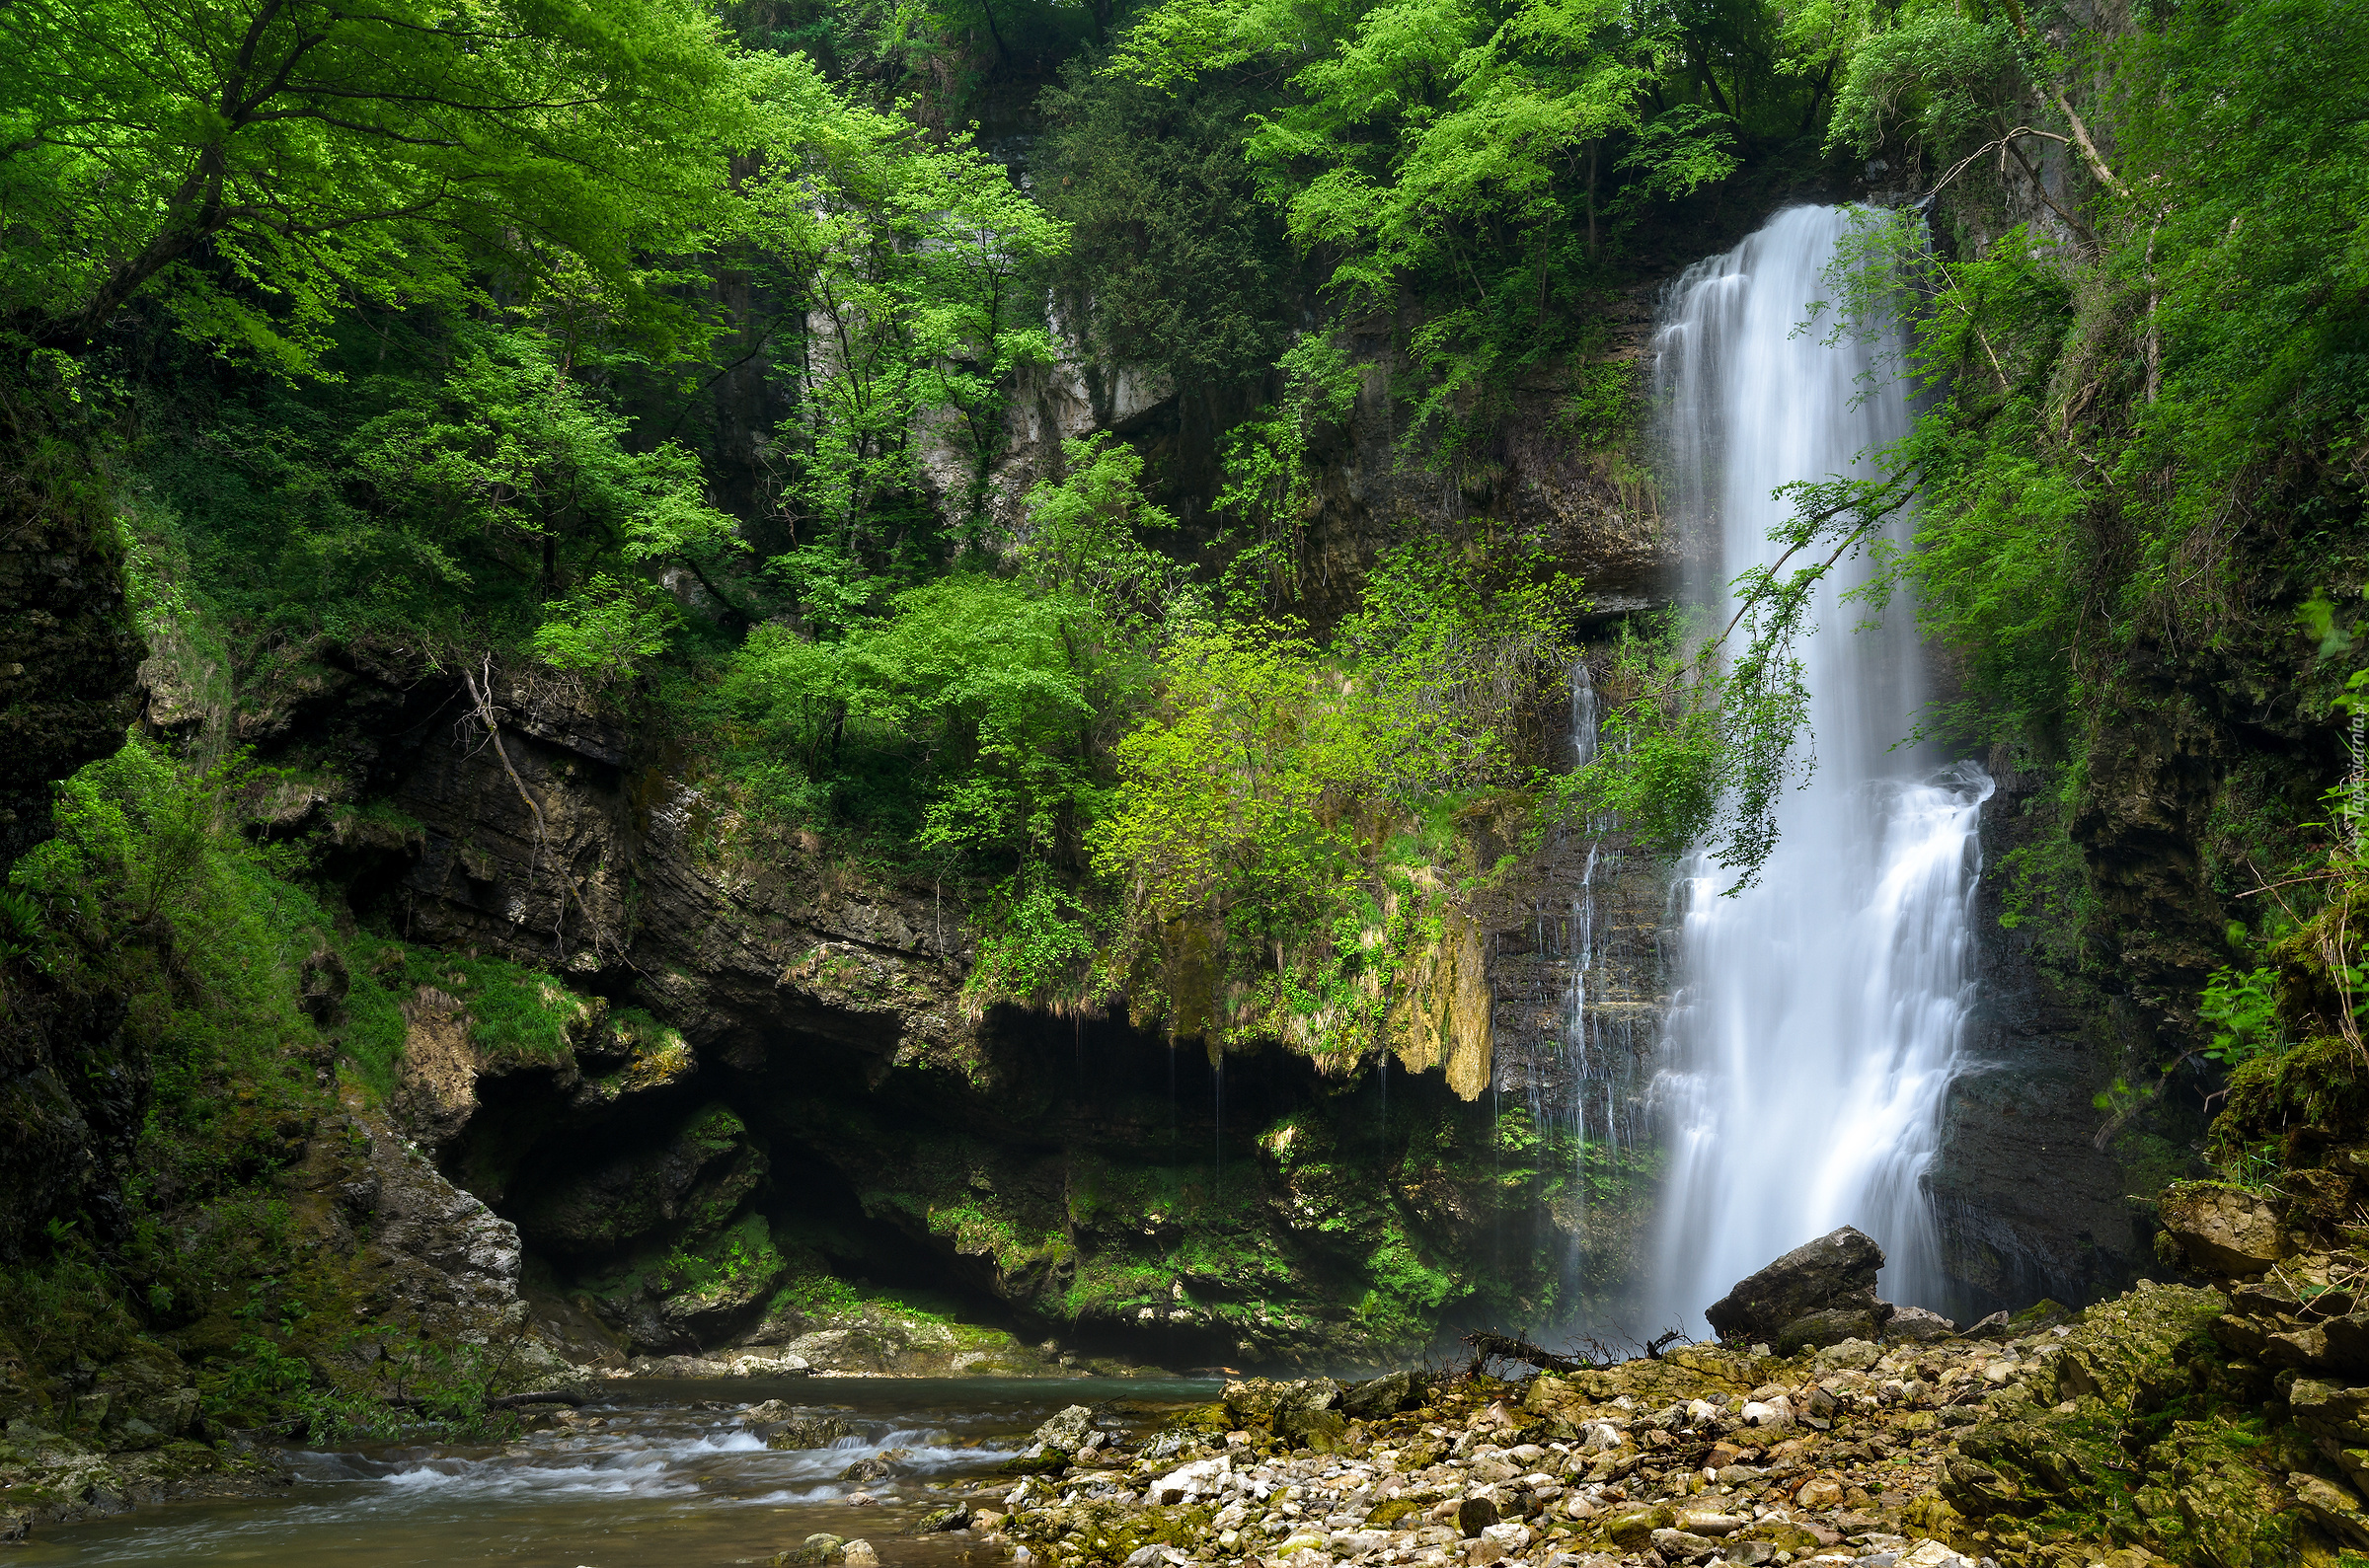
1489	1347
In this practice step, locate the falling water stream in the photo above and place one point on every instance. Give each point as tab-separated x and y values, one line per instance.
1818	1014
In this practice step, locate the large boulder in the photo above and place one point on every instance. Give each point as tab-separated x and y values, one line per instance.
1833	1275
2222	1229
1385	1395
1835	1326
1306	1413
1918	1325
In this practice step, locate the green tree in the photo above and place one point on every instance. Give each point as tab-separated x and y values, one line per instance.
905	266
514	448
1175	268
260	163
1472	152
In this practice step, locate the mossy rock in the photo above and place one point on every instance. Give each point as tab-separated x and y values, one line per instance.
1207	1419
2223	1510
1634	1529
1784	1536
1252	1401
1387	1515
1052	1461
686	1183
1111	1533
810	1432
1318	1431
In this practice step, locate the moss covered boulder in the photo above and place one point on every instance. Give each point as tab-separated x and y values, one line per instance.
2221	1228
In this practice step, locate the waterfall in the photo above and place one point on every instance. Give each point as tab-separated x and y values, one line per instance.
1818	1015
1588	1083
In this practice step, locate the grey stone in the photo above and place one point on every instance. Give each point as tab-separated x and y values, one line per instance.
1851	1355
1382	1397
1817	1330
1678	1546
1917	1325
1065	1431
1834	1273
2222	1229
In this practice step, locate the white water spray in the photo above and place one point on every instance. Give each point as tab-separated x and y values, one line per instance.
1818	1017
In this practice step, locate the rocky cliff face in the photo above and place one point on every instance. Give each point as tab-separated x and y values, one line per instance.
70	1088
752	1082
2030	1202
771	1076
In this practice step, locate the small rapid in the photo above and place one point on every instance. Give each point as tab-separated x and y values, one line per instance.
653	1476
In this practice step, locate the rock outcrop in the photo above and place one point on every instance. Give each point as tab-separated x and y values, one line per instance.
1819	1294
2221	1228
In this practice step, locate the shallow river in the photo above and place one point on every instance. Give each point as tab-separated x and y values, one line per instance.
657	1475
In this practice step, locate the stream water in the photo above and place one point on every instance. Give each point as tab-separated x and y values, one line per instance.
656	1475
1818	1016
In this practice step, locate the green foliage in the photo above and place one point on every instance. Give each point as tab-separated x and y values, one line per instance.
517	1016
1254	833
1603	406
737	1260
1269	488
416	1387
974	719
1037	936
1939	81
602	627
514	448
2139	409
1451	656
911	262
259	166
2243	1008
1081	538
19	925
971	692
1219	789
1174	266
1699	737
1480	157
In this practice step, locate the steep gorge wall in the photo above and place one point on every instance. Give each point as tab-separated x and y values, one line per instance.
772	1075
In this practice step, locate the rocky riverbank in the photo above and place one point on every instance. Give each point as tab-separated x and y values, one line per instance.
2207	1423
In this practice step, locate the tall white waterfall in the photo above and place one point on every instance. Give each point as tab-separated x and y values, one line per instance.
1818	1017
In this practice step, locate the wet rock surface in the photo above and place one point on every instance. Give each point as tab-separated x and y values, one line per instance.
2029	1199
